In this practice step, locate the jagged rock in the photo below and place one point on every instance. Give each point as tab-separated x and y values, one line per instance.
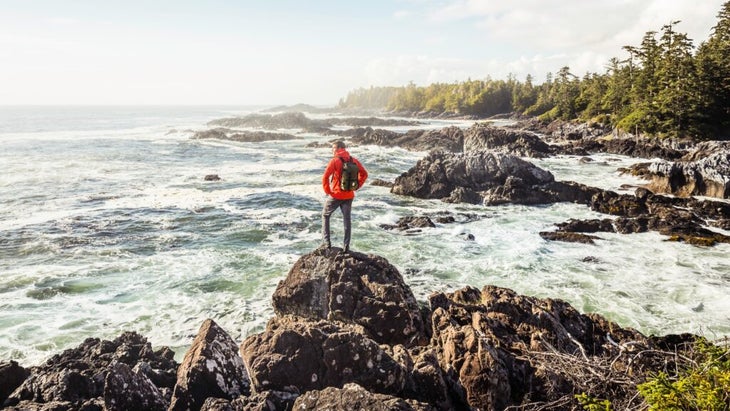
11	376
488	338
212	177
355	397
214	133
354	288
211	368
705	149
78	375
439	174
709	176
568	237
298	355
587	226
409	223
125	389
481	137
448	139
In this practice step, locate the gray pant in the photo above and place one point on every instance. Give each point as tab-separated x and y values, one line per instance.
330	206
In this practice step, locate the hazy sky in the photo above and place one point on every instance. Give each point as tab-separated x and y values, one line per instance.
310	51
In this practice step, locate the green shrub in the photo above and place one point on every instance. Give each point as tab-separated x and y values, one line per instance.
705	385
593	404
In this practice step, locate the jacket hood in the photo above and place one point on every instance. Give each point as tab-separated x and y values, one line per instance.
342	153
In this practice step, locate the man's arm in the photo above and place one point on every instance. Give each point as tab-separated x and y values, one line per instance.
326	177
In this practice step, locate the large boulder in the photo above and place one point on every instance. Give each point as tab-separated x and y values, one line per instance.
298	355
353	288
481	137
439	174
211	368
709	176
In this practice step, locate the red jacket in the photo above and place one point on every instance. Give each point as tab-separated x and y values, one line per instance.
333	172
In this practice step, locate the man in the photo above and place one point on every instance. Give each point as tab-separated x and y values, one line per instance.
336	196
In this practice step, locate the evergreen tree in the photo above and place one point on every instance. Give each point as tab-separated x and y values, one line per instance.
713	65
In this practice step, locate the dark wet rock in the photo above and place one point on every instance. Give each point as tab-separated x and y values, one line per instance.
568	237
587	226
79	375
381	183
447	139
410	222
355	397
354	288
11	376
709	177
212	177
211	368
298	355
481	137
125	389
516	191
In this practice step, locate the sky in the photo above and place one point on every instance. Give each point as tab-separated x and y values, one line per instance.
242	52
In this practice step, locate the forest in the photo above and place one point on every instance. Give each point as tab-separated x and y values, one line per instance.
665	87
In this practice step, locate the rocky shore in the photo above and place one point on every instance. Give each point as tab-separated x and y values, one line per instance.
349	334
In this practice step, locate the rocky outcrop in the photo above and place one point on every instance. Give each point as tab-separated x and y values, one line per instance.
678	218
486	177
89	376
641	148
488	349
211	368
482	136
709	176
447	139
352	288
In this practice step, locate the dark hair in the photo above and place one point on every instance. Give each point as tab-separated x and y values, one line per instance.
339	144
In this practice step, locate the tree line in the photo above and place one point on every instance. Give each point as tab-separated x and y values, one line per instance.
666	88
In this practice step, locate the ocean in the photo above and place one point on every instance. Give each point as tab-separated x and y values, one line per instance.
107	225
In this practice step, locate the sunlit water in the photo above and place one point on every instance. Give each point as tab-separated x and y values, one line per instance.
107	225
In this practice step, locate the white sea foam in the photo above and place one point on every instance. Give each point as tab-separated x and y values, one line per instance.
106	231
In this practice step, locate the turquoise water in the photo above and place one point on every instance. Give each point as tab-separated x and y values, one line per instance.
106	225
